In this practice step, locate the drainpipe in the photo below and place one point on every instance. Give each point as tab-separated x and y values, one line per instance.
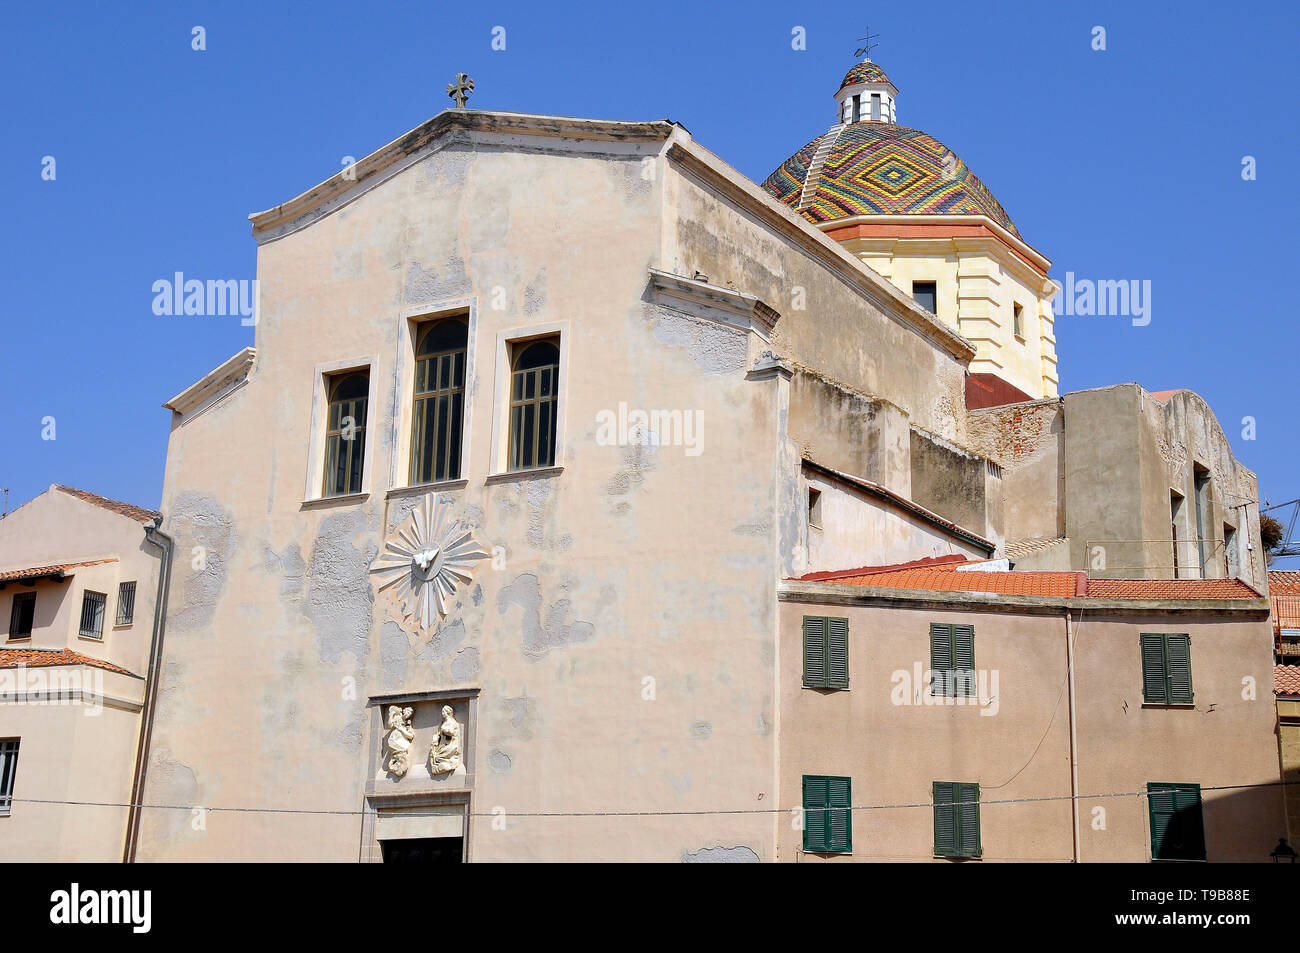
1074	744
154	535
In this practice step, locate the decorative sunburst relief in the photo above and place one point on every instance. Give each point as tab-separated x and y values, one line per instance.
425	560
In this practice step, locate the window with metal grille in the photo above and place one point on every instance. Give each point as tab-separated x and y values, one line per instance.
125	603
439	408
534	400
8	768
24	612
92	614
345	435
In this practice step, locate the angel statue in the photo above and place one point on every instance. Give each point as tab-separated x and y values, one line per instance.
400	736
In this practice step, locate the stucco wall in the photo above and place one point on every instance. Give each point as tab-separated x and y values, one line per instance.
893	750
623	642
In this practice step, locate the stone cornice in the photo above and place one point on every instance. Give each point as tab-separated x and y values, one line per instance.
369	171
714	302
214	385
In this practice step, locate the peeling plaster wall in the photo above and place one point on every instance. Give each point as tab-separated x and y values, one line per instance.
633	602
851	432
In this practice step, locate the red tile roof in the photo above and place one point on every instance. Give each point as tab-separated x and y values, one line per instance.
52	572
137	513
952	574
1170	589
1286	679
1284	581
39	658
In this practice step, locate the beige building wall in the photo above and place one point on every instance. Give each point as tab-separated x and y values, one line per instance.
622	645
1288	714
881	733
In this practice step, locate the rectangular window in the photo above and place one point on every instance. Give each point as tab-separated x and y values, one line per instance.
22	616
925	293
92	614
814	507
438	411
952	660
1018	321
1166	668
1177	826
534	400
825	652
1230	566
8	768
125	603
875	106
1201	484
956	819
1175	514
857	107
345	433
828	815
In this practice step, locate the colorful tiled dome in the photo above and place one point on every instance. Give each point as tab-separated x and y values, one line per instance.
877	168
865	72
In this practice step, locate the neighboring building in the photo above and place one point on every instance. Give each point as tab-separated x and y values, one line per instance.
1284	595
78	582
1153	709
1118	481
483	544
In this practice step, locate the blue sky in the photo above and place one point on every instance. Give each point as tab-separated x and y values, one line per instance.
1117	164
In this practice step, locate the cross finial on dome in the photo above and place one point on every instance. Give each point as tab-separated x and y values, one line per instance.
867	45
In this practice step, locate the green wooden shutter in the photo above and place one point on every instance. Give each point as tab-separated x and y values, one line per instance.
839	828
945	820
837	653
1178	659
814	651
816	798
1155	683
1177	825
940	658
963	659
968	819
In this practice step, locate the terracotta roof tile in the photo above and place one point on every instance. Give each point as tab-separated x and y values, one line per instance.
39	658
953	574
137	513
1286	679
1170	589
40	572
1284	581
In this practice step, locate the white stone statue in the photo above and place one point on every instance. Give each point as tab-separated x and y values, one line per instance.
400	736
445	752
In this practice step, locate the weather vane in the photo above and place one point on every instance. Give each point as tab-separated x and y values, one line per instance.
867	45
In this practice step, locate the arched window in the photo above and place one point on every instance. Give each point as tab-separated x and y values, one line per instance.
345	435
439	401
534	397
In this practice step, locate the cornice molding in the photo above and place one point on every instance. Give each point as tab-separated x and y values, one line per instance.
214	386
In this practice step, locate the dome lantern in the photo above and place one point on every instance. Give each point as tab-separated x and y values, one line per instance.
866	95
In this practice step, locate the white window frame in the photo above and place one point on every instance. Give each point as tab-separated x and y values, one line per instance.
499	464
409	322
314	491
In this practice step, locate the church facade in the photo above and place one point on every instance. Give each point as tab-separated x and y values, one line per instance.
500	543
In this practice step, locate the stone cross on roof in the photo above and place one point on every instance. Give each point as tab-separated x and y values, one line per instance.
460	89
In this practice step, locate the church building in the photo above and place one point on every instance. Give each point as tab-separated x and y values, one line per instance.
582	499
